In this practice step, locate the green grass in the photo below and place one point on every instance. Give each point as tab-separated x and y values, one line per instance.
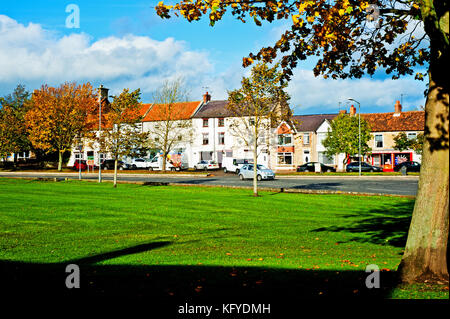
211	235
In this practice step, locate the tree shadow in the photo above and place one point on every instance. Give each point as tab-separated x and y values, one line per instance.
387	225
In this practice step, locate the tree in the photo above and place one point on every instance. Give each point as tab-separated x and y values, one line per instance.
256	106
13	134
352	38
344	136
171	126
402	142
122	135
58	115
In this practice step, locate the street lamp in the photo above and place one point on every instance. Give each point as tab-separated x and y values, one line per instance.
359	134
103	94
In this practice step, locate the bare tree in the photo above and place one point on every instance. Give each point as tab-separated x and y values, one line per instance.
171	125
257	107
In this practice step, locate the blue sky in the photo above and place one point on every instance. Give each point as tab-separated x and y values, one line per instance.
124	44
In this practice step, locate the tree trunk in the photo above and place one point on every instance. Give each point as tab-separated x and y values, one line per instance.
60	161
255	162
425	256
115	172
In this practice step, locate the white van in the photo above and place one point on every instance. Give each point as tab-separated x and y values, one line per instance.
234	165
156	164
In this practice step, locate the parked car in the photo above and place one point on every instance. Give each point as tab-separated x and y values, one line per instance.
138	163
234	164
247	171
311	167
206	165
109	164
80	164
410	166
354	167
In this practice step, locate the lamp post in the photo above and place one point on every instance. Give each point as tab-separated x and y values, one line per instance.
103	94
359	133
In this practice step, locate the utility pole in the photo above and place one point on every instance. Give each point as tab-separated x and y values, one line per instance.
103	94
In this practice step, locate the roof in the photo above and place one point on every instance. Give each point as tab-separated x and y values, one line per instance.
213	109
179	111
403	121
310	123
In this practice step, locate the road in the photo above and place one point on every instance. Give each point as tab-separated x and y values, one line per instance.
392	185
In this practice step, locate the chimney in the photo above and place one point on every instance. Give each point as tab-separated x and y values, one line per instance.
206	98
342	111
352	110
398	107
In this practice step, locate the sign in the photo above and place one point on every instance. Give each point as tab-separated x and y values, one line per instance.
90	162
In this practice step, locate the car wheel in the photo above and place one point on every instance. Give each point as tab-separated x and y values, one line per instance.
241	177
150	169
371	170
195	167
225	170
133	167
173	169
259	177
237	171
328	170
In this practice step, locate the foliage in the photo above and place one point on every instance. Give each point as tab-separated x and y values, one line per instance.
352	37
122	134
171	127
13	133
402	142
57	115
344	136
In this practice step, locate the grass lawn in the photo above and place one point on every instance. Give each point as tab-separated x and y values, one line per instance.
169	241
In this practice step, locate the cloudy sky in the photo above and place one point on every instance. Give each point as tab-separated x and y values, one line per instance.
123	44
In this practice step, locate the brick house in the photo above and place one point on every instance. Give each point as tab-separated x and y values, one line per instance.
384	127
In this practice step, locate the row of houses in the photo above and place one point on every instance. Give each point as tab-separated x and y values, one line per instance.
210	136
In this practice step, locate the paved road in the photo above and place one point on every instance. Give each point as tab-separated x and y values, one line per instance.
395	185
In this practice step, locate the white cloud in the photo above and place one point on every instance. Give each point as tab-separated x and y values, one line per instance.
32	54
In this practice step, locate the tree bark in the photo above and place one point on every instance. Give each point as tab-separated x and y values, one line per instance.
425	256
60	161
255	162
115	172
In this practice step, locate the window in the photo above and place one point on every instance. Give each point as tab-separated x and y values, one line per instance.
157	139
285	158
412	136
321	137
23	154
229	153
205	122
324	159
284	139
78	156
251	122
180	137
205	138
305	138
221	138
378	140
221	122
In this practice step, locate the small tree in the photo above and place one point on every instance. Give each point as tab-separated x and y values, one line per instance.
13	133
402	142
344	136
171	126
256	107
123	135
58	115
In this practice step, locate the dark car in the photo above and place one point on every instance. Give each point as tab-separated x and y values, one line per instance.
79	164
410	166
354	167
311	167
109	164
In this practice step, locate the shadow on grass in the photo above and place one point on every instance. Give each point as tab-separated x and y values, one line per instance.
388	225
175	282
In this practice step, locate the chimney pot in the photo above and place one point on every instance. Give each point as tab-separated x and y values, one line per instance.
206	97
342	111
352	110
398	107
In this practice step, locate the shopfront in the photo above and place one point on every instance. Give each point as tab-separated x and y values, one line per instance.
388	160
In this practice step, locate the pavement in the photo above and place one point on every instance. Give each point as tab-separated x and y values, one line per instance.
367	185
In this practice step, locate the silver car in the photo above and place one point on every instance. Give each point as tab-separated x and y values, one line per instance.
262	172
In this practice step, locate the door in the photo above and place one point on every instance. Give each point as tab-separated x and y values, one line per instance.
306	156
